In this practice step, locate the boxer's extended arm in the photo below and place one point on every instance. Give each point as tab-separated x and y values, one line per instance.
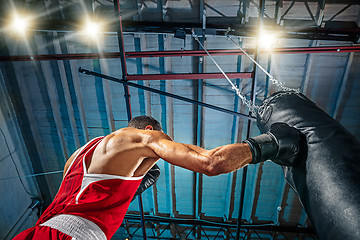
216	161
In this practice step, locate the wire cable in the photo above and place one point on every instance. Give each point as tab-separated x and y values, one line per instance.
272	78
34	175
16	168
252	107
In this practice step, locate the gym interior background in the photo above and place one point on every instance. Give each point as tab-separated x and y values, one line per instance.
149	60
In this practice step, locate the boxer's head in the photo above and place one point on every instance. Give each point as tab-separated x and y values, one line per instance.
145	122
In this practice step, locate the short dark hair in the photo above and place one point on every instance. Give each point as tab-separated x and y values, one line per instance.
140	122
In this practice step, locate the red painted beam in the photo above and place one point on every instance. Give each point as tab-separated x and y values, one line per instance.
49	57
77	56
187	76
184	53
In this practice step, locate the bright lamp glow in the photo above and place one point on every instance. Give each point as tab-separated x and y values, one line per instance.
266	39
19	23
93	30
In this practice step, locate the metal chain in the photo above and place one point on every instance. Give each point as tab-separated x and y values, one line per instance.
273	80
252	107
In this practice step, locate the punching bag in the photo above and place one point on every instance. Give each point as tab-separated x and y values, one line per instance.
326	176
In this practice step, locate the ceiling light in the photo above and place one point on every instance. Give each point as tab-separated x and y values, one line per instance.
92	29
266	39
19	23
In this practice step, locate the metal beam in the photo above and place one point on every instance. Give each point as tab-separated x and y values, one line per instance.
354	2
108	102
248	134
339	12
199	222
257	190
179	76
215	28
199	116
127	95
170	129
122	57
309	11
223	52
28	130
101	99
320	13
48	74
342	88
67	82
234	129
79	98
179	53
163	120
307	70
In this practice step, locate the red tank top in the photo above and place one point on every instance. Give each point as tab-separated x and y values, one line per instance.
100	198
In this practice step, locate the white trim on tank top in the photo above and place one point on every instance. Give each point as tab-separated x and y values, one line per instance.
89	178
81	149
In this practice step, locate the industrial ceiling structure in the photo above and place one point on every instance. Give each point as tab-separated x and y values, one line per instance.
59	88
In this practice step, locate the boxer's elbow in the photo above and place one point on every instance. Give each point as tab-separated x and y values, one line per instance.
218	162
213	166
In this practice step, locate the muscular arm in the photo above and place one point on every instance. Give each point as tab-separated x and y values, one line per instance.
132	152
216	161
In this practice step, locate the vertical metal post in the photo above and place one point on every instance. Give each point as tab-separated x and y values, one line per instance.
253	99
320	12
341	90
198	126
198	177
127	95
122	59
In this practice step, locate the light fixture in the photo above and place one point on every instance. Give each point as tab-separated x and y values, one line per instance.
92	30
19	23
266	39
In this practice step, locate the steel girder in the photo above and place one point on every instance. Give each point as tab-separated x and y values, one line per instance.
179	53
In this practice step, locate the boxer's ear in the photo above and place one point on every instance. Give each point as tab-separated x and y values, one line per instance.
149	127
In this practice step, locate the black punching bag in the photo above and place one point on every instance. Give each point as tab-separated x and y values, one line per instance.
326	177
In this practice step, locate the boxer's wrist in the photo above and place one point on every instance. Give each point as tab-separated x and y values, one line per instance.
263	147
280	144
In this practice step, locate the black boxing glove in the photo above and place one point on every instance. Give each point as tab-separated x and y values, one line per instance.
280	144
149	179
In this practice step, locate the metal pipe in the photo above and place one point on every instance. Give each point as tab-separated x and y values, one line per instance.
85	71
342	86
220	29
127	97
180	53
120	39
201	222
290	50
123	61
135	77
248	134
